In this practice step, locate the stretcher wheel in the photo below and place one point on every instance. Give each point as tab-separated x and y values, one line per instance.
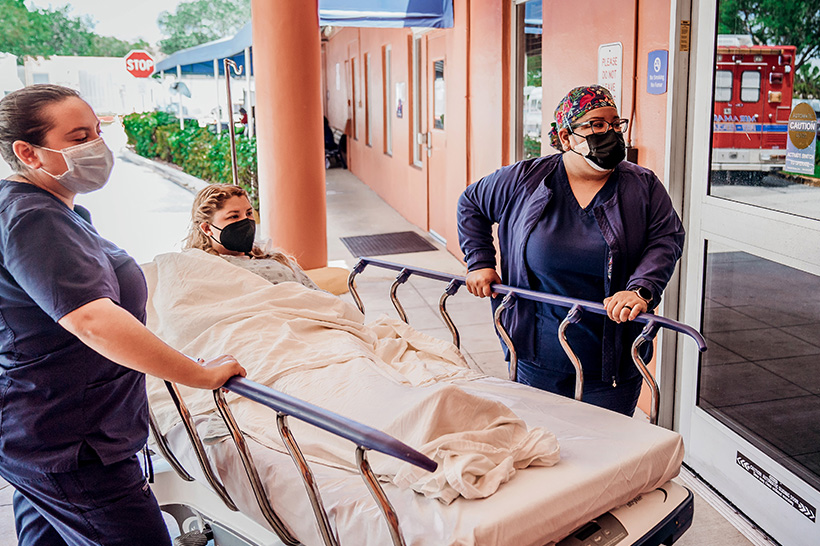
194	538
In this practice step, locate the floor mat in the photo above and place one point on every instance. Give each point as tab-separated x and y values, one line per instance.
400	242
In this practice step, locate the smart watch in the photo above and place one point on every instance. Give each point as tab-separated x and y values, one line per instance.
643	293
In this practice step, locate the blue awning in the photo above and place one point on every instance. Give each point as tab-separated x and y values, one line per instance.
340	13
200	59
386	13
533	18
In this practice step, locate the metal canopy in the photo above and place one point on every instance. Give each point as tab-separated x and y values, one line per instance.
200	59
339	13
386	13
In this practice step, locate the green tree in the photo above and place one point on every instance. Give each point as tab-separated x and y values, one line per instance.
46	32
807	82
775	22
199	21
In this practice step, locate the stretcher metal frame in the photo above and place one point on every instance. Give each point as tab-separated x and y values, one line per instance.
364	437
653	323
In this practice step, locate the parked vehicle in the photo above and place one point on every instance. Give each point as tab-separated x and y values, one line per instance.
753	100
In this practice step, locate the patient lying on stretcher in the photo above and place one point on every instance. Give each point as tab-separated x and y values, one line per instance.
222	224
315	346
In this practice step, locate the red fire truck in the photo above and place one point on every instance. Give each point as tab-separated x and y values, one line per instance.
753	99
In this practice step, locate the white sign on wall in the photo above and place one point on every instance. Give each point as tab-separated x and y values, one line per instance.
610	73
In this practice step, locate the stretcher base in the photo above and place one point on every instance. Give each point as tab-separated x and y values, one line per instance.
189	506
651	519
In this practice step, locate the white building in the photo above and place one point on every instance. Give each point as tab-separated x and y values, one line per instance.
102	81
9	78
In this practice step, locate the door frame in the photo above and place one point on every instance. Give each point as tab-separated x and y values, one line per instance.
712	448
435	150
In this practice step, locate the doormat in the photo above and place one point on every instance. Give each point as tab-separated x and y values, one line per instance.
399	242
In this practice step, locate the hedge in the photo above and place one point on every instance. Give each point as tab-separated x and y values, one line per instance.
197	150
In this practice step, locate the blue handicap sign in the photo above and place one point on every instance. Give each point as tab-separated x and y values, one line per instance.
656	72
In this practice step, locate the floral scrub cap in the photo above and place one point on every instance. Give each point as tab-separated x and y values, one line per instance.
578	102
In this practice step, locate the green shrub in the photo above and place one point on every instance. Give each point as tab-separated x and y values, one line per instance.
196	150
140	129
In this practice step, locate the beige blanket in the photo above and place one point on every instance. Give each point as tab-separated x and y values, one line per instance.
314	346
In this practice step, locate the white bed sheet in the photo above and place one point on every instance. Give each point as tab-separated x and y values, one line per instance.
606	460
316	347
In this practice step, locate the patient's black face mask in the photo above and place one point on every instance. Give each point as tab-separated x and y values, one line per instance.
238	236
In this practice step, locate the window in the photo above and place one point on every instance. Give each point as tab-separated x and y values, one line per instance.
416	136
355	98
368	101
723	86
529	21
757	375
439	96
750	86
387	70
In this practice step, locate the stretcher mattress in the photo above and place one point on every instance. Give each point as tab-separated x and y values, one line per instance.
606	460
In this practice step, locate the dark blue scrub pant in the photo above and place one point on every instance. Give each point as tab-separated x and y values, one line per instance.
622	398
94	505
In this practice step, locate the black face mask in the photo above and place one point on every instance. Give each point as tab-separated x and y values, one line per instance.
607	149
238	236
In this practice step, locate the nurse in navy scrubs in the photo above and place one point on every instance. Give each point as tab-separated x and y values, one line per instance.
73	348
585	224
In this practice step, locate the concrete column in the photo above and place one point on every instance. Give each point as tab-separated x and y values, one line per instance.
289	130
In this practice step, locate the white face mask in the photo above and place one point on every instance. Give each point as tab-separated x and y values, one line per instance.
89	166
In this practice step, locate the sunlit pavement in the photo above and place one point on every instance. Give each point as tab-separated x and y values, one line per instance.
138	209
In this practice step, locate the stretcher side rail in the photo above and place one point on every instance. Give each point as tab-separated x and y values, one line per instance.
652	323
365	438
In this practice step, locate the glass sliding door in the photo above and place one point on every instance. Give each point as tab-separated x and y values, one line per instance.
750	405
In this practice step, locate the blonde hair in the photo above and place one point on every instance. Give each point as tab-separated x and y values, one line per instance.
210	200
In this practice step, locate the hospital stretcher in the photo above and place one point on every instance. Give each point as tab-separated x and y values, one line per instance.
612	486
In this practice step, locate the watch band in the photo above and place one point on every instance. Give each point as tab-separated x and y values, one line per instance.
643	293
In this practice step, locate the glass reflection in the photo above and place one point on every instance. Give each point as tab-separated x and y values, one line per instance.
439	99
767	63
531	67
761	374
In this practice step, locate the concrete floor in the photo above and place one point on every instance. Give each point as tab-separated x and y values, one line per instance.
145	214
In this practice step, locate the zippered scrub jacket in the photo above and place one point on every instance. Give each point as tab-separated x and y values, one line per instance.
642	232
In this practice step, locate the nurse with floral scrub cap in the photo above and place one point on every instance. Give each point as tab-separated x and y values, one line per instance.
73	348
584	224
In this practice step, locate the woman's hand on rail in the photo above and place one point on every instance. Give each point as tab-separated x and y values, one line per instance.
623	306
478	282
220	369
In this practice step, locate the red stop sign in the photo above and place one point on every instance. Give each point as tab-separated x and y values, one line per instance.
139	63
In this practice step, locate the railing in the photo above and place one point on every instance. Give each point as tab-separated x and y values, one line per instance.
653	323
364	437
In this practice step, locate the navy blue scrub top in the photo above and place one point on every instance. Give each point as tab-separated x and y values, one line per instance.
566	255
55	392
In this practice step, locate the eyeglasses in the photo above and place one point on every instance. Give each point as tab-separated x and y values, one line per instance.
599	126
